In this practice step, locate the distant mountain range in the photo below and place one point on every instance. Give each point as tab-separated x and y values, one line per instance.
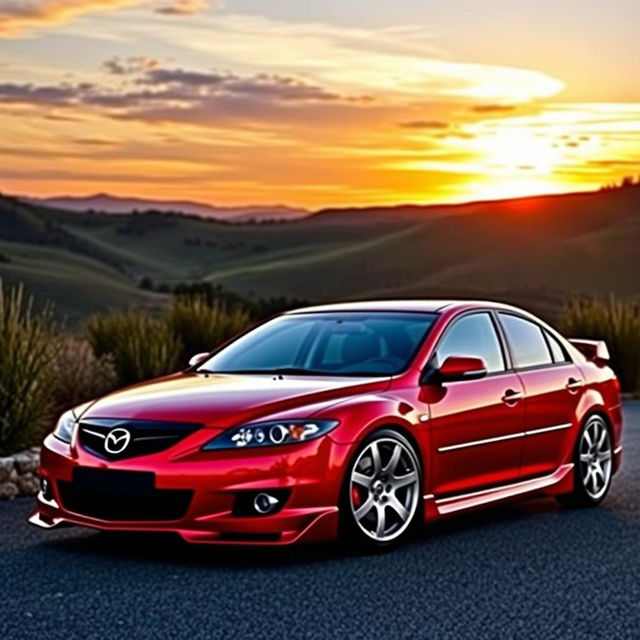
107	203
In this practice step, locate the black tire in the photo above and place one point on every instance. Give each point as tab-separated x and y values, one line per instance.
391	488
592	465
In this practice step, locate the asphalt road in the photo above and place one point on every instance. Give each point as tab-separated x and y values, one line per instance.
529	570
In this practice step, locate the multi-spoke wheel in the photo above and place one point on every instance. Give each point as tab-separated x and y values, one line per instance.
382	490
592	464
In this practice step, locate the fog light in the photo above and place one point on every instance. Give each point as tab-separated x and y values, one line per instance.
252	504
265	503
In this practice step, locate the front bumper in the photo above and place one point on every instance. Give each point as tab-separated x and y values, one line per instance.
311	472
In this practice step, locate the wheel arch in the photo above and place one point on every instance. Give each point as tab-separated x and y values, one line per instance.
398	427
359	445
582	418
597	411
411	437
394	425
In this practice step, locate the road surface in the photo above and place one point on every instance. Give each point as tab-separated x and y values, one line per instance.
528	570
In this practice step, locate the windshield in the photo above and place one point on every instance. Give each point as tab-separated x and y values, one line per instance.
334	344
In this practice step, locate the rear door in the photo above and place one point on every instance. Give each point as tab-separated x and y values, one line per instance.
476	425
552	387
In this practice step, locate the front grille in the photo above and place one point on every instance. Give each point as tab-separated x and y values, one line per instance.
122	496
119	439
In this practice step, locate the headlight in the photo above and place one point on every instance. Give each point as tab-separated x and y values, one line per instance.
64	428
268	434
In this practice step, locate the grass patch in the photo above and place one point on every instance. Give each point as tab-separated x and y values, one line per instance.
200	326
27	349
617	322
140	345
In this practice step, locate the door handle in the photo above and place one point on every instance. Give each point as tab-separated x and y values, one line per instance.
573	384
511	397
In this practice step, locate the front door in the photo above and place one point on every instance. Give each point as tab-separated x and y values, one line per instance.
476	425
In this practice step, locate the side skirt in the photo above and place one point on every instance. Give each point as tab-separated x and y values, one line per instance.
560	481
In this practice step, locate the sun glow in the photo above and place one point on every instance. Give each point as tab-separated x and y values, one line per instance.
511	187
519	150
517	162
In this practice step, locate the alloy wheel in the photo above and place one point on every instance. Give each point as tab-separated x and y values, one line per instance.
595	458
384	489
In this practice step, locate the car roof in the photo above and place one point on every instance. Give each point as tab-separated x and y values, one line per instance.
426	305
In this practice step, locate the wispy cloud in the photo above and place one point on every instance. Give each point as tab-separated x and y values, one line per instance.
492	108
390	63
182	7
38	94
150	92
127	66
19	16
424	124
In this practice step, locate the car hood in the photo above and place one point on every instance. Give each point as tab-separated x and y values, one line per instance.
225	400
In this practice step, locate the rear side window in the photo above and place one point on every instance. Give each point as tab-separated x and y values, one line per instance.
472	335
557	350
526	340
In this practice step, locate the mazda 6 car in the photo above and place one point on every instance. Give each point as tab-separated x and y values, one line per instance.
354	421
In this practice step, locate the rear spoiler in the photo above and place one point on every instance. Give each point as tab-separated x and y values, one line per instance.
594	350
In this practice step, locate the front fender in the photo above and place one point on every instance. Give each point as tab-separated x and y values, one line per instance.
361	416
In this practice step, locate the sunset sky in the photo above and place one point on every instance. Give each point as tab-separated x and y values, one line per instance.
318	103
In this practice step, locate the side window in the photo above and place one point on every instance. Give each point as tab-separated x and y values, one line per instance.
557	350
472	335
528	345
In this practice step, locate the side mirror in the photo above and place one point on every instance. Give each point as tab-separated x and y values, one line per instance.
456	368
198	358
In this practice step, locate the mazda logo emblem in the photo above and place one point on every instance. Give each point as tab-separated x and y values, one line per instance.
117	441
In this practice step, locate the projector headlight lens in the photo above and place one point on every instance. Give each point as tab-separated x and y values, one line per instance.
268	434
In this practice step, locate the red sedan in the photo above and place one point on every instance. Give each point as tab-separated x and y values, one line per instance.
357	420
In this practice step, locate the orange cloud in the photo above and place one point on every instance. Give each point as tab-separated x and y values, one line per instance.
182	7
17	16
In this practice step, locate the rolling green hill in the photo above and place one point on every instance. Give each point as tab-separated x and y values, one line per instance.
531	251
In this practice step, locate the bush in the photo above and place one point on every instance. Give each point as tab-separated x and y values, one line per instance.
201	326
28	346
78	375
618	323
140	345
216	294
